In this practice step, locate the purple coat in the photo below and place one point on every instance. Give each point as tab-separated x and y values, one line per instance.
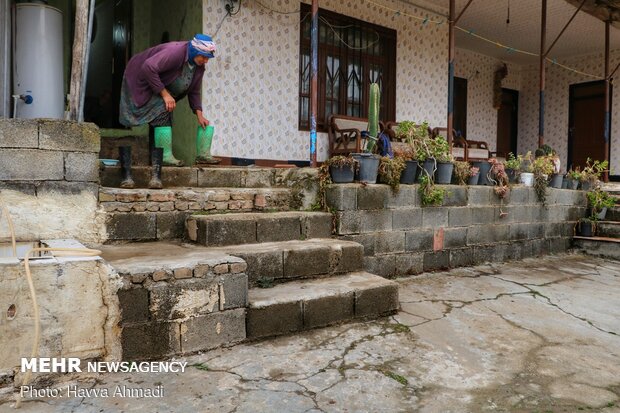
149	71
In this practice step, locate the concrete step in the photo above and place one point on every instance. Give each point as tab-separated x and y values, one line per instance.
303	305
284	261
608	229
598	246
613	214
250	228
210	177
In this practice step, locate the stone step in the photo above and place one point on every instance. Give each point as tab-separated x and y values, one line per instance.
251	228
276	262
303	305
608	229
598	246
210	177
613	214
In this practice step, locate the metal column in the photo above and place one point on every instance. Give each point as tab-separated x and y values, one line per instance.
314	68
607	98
451	72
541	108
5	58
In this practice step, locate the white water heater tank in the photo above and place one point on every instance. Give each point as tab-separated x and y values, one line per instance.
38	70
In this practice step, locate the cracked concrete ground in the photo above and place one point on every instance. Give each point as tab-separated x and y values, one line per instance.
540	335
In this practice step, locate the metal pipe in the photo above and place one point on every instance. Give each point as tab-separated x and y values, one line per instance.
5	61
463	11
91	16
541	107
451	73
314	68
565	27
607	99
614	72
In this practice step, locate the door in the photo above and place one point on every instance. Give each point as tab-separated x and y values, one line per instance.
508	123
460	106
109	53
586	123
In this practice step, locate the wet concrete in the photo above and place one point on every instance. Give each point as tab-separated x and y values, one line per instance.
541	335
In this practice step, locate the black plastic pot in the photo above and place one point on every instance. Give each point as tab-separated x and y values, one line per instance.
410	173
369	167
444	173
512	175
556	181
573	184
429	166
473	180
342	174
483	167
586	228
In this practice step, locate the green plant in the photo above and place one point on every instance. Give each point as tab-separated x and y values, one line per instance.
574	174
545	150
265	282
409	131
462	172
390	170
593	170
373	117
598	200
429	193
513	162
440	150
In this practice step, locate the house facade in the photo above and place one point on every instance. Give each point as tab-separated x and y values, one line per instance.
256	91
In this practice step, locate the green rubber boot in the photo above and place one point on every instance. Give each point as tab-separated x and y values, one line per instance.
163	139
204	137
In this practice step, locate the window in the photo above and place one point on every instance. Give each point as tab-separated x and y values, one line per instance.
352	55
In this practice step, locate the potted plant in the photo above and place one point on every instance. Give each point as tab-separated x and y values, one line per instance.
591	173
599	201
574	177
555	178
526	177
440	151
474	175
408	155
513	167
542	167
342	169
390	171
586	226
462	172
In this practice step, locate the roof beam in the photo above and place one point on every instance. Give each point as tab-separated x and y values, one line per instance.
463	11
565	27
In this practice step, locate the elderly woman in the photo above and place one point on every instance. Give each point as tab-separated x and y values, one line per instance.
154	81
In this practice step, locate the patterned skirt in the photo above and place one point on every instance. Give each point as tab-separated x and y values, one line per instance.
154	111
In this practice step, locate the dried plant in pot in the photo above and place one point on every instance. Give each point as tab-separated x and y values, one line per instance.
543	167
342	169
407	153
390	171
591	173
463	172
599	201
512	166
526	177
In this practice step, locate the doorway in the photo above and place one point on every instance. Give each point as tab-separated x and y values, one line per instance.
110	49
460	107
586	123
508	123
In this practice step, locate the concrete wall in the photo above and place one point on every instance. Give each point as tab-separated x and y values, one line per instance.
400	237
49	179
182	307
87	328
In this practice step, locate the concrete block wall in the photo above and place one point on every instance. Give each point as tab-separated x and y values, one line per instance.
472	226
183	309
49	173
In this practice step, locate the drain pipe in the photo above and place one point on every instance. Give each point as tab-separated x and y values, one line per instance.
58	252
26	98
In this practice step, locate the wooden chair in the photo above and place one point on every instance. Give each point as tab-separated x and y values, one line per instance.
345	134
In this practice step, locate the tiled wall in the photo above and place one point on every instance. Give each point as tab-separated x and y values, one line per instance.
251	89
558	81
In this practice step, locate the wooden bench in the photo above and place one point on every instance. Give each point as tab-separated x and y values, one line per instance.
345	134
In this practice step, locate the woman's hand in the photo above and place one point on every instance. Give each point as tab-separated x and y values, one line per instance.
201	119
169	101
